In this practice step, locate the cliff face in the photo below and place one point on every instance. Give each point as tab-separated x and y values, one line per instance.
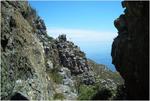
35	66
130	48
23	64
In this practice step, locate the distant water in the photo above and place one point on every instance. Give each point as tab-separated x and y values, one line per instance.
101	59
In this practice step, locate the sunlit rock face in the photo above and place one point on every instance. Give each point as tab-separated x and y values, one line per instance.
23	64
35	66
130	48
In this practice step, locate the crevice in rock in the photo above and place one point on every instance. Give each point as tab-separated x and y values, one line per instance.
18	96
4	42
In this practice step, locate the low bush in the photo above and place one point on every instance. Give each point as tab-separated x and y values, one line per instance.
86	92
56	77
94	92
59	96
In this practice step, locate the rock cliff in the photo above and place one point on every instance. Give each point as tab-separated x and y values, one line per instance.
130	48
35	66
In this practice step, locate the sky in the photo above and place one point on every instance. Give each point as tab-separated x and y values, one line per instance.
89	24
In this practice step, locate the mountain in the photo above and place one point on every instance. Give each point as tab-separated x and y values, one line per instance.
35	66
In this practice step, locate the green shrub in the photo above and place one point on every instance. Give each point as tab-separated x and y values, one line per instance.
94	92
86	92
56	77
59	96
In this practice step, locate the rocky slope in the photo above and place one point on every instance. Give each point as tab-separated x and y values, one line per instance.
35	66
130	48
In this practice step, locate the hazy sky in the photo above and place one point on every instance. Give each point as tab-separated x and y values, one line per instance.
89	24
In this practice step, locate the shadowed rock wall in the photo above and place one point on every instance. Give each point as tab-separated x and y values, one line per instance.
130	49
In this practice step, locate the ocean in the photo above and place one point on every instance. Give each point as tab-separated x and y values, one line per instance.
102	59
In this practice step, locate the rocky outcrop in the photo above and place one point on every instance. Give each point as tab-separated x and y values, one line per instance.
71	56
130	48
35	66
74	59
